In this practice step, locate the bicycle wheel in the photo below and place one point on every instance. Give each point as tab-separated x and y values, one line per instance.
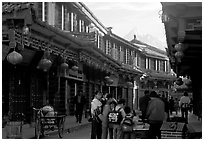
61	128
37	129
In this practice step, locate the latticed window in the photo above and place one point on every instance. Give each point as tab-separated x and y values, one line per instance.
153	64
67	19
39	7
127	56
102	43
118	48
82	26
108	47
122	54
138	59
114	52
58	16
142	60
162	65
131	57
75	22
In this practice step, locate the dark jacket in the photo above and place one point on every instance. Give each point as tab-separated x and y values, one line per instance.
82	100
143	103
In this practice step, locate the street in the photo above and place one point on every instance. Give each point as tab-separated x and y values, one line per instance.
82	133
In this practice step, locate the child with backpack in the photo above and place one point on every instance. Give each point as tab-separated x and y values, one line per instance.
127	123
115	117
113	104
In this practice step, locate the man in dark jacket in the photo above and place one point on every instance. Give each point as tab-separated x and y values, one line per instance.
143	103
155	115
79	101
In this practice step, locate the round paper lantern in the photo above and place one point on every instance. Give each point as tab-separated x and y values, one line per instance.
130	84
64	65
14	58
179	47
45	64
75	68
179	54
110	81
188	82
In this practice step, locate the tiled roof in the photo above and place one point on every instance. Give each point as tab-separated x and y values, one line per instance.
9	7
151	52
151	49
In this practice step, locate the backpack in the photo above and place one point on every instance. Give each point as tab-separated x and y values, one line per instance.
115	116
127	124
185	105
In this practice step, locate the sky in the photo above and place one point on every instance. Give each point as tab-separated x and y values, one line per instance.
125	16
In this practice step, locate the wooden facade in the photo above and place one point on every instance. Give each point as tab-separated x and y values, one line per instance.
72	34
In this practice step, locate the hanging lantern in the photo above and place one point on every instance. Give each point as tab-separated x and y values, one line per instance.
45	64
110	81
179	54
75	68
64	65
14	58
188	82
130	84
179	47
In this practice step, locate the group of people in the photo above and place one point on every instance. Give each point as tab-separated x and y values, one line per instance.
155	109
107	116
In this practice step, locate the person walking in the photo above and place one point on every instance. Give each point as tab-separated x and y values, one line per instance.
79	101
113	104
176	105
117	131
143	102
104	116
184	105
171	105
166	105
96	107
155	115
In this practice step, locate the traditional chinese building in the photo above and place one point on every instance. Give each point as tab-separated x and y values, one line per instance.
51	50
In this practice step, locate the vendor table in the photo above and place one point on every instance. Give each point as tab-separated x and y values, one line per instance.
140	131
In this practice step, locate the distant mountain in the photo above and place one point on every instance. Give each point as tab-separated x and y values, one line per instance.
146	38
